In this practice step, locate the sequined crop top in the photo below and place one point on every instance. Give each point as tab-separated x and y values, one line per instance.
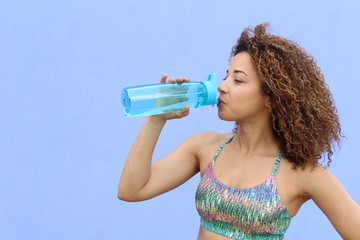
247	214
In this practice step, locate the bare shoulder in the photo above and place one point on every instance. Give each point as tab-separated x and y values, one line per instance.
206	140
319	184
299	185
312	178
331	197
209	137
205	144
303	180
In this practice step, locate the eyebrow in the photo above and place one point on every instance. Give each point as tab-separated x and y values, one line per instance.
237	71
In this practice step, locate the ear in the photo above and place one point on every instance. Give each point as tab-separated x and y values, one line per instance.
267	102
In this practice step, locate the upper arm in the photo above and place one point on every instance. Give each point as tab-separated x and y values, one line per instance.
331	197
176	168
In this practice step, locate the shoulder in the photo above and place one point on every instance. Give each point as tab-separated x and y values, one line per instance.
313	180
305	181
205	144
331	197
208	138
310	182
199	144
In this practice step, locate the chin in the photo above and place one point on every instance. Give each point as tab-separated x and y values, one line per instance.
224	117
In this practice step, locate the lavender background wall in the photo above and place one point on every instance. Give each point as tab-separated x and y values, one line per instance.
64	138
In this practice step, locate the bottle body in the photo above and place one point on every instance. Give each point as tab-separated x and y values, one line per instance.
163	97
160	98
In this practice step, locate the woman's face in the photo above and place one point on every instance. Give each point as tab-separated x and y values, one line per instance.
240	96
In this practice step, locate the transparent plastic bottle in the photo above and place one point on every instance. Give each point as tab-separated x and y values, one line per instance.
160	98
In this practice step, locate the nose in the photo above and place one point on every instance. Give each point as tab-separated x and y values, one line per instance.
222	88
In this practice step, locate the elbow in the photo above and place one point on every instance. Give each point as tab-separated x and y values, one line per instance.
127	197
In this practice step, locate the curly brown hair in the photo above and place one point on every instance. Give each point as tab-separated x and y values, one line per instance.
304	116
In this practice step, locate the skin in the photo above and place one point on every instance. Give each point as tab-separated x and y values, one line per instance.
245	162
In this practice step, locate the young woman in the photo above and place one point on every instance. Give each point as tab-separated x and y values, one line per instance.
255	179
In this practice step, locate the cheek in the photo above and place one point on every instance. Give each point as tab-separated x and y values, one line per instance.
253	100
249	95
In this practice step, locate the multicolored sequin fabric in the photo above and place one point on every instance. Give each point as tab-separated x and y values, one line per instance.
256	213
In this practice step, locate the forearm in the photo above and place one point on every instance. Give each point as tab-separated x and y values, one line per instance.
137	169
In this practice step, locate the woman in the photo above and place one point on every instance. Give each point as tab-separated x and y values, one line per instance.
255	179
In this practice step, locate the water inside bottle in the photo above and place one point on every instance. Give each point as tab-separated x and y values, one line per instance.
166	100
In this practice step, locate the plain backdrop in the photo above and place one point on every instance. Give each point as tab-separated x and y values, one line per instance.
64	138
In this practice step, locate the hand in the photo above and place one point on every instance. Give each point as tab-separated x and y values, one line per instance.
172	115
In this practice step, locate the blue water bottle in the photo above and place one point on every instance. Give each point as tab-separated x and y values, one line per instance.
160	98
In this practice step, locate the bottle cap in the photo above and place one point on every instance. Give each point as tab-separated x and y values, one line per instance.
211	85
126	103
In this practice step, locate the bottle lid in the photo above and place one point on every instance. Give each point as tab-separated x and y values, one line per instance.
125	100
211	85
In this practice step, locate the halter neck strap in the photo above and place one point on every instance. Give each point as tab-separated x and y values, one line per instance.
277	162
222	146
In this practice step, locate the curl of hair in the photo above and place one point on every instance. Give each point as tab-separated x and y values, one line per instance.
303	113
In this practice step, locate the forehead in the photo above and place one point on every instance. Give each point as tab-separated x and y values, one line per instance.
242	61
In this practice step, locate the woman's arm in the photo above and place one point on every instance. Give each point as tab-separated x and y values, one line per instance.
331	197
141	179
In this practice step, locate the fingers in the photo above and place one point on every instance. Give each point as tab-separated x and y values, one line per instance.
186	110
183	113
163	78
173	80
180	79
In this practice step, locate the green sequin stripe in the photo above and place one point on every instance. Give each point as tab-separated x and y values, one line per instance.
231	232
222	146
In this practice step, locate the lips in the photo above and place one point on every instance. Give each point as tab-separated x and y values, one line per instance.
220	102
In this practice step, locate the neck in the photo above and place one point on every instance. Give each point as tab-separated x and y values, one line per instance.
256	138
